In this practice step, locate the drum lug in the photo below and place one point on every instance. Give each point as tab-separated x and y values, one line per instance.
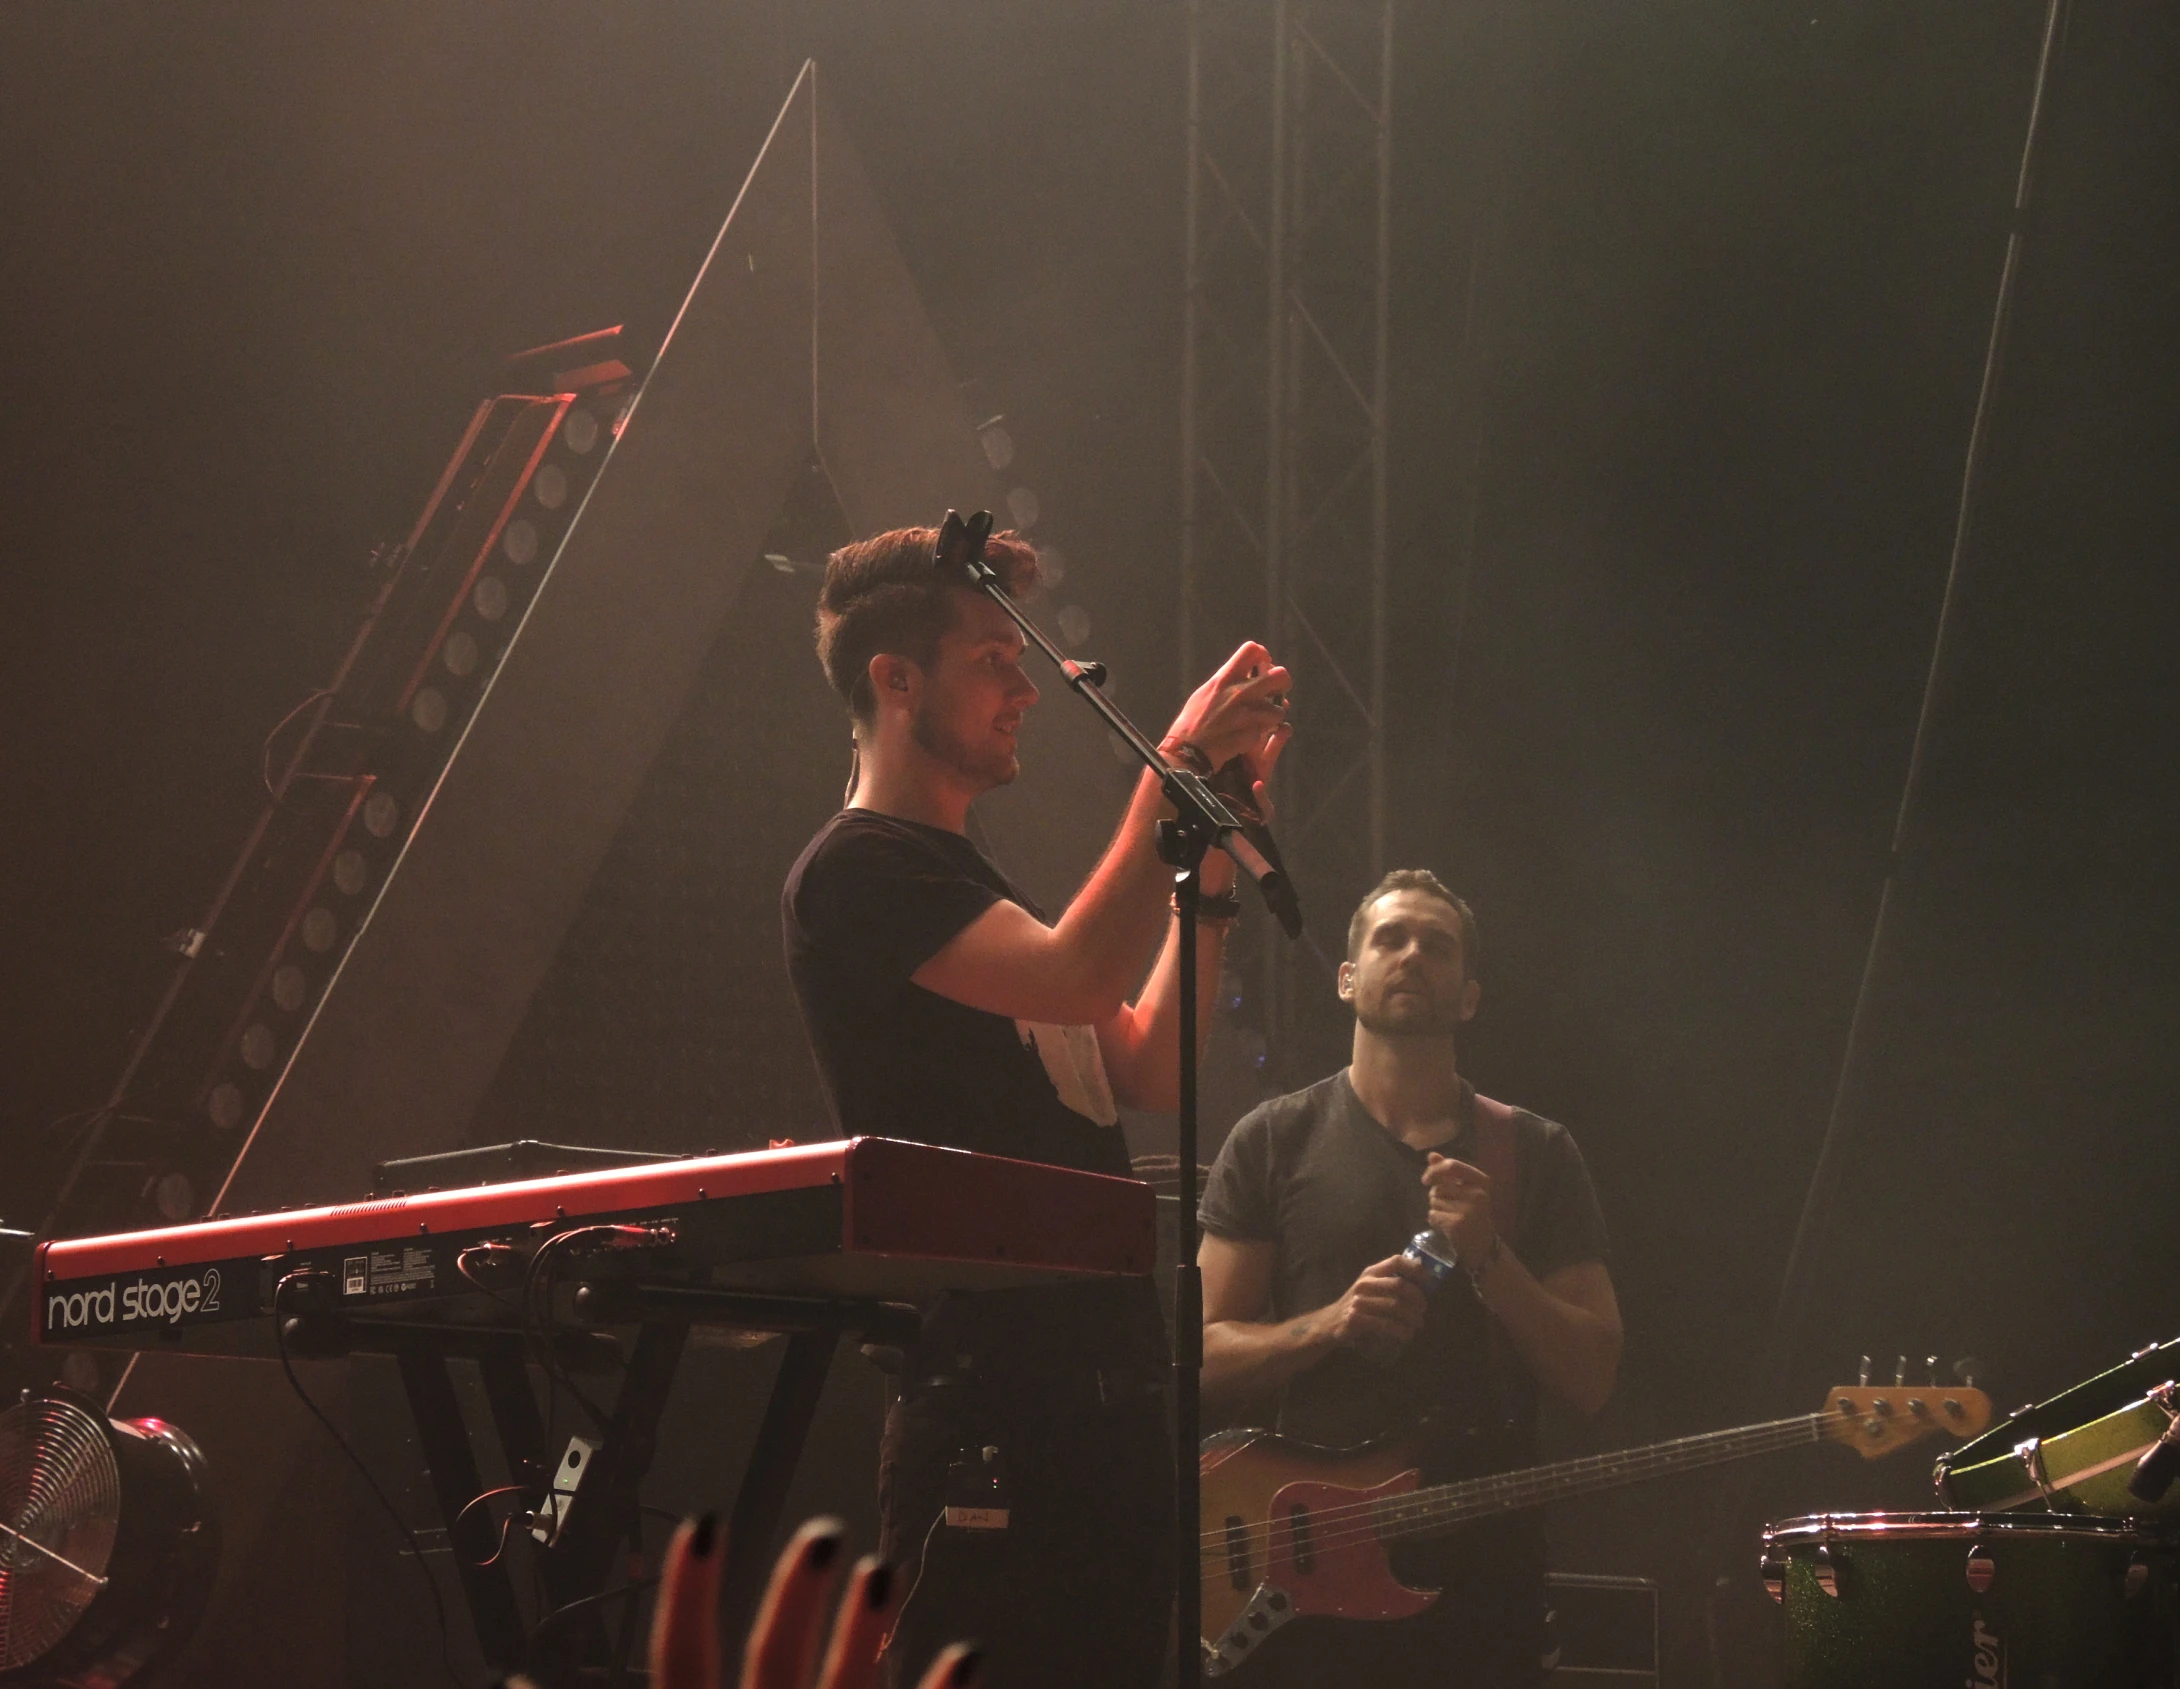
1982	1569
1828	1570
1772	1569
2030	1454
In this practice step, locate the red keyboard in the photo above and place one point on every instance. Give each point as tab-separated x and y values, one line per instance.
861	1219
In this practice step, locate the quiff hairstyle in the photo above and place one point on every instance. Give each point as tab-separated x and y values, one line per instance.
1414	879
885	594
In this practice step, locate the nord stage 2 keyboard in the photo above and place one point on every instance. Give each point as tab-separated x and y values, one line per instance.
602	1272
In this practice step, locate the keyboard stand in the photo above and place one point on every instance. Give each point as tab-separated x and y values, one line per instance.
595	1508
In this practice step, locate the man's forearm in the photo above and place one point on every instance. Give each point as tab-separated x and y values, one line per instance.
1242	1358
1143	1055
1116	918
1574	1351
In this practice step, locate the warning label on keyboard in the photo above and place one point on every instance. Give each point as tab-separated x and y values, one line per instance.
393	1272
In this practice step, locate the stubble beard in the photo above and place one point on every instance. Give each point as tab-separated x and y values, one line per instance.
1432	1021
940	742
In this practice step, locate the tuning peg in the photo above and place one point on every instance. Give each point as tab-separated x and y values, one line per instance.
1965	1370
1864	1379
1899	1374
1932	1363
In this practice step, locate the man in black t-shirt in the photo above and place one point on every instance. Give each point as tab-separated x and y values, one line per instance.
1309	1302
942	1006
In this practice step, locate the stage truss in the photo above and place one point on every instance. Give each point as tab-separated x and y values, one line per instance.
1284	429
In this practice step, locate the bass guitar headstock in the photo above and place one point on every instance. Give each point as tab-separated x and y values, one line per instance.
1875	1419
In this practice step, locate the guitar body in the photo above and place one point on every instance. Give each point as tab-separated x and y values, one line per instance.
1295	1531
1291	1531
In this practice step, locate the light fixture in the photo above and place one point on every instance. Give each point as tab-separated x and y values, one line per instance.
998	444
351	871
174	1196
224	1105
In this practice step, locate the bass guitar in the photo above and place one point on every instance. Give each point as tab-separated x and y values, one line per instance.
1293	1531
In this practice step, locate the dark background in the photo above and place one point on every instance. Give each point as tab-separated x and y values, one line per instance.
1733	269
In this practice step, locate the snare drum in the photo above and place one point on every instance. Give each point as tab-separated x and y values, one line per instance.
1936	1600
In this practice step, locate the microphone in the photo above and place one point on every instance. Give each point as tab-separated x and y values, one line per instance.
1234	781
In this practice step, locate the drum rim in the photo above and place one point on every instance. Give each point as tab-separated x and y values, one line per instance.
2088	1402
1962	1526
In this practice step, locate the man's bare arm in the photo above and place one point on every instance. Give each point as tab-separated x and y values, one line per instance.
1566	1326
1079	971
1141	1043
1246	1357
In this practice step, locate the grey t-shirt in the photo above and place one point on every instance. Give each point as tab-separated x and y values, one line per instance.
1313	1174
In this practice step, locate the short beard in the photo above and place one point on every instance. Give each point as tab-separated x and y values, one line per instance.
939	743
1379	1024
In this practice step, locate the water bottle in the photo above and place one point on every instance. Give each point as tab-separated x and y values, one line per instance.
1431	1250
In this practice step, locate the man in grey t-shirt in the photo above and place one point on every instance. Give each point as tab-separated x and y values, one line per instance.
1309	1302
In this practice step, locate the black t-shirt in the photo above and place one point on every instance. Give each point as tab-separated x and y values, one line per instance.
871	900
1316	1176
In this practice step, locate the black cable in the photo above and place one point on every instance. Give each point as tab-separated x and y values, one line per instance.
431	1584
536	1336
535	1329
454	1530
1797	1284
635	1586
264	761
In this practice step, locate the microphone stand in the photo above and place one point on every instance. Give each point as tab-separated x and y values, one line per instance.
1202	821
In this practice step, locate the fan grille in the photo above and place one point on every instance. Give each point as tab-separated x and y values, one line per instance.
60	1504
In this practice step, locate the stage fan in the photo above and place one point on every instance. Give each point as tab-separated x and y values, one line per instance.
107	1545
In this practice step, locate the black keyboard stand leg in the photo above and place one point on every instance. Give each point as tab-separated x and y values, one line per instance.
604	1513
753	1528
504	1369
453	1467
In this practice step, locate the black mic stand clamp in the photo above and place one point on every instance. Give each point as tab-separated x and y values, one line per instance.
1202	821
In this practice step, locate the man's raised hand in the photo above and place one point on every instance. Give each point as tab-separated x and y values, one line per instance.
1238	711
1460	1197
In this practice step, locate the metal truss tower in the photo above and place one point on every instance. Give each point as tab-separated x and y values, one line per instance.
1284	424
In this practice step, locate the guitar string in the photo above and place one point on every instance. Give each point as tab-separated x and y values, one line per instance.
1501	1492
1707	1441
1452	1504
1405	1515
1376	1529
